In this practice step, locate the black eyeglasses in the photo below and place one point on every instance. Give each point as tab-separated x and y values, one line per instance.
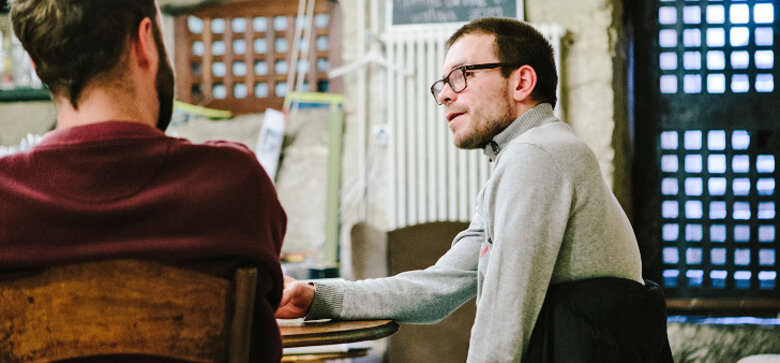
457	78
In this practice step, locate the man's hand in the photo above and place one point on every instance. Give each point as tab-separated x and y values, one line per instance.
296	299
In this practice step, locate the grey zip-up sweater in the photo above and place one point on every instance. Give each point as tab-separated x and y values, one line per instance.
545	216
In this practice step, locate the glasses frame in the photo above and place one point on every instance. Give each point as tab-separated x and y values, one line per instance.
463	69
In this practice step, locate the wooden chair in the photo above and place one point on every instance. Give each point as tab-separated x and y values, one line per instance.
126	307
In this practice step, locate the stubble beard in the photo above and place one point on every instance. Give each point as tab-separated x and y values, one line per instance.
483	128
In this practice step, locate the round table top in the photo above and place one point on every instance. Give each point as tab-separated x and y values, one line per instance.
310	333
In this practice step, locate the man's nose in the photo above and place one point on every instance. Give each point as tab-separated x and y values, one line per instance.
447	95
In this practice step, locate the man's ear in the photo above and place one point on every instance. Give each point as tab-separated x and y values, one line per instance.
144	45
523	82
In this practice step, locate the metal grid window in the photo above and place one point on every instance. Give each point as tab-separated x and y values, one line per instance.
718	210
707	144
716	47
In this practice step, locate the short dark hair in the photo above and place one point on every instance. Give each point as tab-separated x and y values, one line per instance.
519	43
73	41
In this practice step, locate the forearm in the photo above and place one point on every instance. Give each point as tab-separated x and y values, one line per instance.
415	296
419	296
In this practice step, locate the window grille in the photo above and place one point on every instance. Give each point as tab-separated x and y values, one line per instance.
716	47
237	56
707	144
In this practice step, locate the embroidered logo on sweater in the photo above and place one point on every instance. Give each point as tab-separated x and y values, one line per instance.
484	250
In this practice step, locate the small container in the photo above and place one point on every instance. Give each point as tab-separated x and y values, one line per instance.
324	272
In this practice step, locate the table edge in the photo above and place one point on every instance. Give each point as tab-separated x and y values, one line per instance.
351	336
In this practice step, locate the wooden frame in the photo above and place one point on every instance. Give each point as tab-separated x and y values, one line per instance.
187	63
724	306
127	307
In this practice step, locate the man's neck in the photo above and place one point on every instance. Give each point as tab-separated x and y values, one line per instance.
521	108
100	105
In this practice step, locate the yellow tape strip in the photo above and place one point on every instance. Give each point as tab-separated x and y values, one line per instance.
201	111
314	97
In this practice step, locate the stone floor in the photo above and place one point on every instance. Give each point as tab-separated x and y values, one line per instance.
717	342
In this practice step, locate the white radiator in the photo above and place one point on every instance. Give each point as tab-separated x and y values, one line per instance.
431	180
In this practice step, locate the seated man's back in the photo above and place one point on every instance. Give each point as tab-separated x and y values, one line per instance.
108	183
123	189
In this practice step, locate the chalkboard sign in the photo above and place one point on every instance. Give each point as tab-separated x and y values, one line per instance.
406	12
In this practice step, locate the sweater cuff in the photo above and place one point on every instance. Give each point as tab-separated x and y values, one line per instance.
327	302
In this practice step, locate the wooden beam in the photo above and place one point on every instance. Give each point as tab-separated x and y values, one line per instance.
724	304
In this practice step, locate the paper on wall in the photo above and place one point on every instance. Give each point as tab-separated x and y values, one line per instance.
269	144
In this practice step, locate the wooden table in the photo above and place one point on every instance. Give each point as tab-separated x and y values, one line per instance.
313	333
335	332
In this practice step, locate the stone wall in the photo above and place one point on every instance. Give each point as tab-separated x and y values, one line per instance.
17	119
593	80
691	342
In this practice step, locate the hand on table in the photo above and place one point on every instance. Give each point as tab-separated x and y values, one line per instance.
296	299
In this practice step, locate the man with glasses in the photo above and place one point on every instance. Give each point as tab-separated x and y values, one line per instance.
549	253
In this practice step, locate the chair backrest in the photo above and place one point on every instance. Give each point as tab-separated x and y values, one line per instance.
126	307
417	247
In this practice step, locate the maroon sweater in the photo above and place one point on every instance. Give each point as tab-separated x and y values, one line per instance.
126	190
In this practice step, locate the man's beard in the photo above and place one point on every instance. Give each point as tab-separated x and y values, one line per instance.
487	126
164	84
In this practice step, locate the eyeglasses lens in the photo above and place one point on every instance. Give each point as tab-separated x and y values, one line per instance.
456	79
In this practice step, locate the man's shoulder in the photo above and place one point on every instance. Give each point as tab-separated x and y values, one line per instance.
228	150
552	138
229	159
214	145
550	135
15	162
225	144
555	144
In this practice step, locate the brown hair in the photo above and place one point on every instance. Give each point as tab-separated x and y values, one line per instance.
518	43
72	42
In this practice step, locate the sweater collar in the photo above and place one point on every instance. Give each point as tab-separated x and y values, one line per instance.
537	116
100	131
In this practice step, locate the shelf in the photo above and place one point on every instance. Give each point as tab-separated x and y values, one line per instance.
24	94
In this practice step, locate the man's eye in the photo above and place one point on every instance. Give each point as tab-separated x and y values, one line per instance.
468	74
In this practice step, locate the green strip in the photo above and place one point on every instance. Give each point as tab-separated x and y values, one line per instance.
25	94
202	111
313	97
335	146
332	201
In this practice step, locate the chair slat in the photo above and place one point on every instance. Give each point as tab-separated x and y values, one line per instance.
115	307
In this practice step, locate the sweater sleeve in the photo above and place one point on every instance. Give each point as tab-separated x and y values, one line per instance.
420	296
529	202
